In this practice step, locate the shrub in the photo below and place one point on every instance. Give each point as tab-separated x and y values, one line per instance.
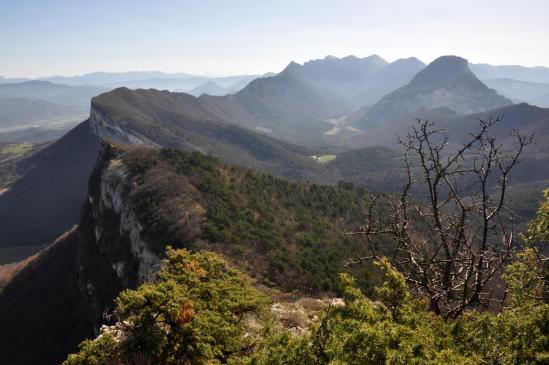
197	311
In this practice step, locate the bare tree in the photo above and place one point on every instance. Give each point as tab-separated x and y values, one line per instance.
469	226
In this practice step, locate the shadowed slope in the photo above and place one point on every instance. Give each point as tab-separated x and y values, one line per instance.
47	200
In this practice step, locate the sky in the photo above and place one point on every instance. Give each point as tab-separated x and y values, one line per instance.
224	37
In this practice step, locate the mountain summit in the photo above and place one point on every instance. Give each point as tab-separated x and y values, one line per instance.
443	71
359	81
446	82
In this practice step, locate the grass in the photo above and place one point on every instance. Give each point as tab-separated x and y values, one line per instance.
16	149
324	158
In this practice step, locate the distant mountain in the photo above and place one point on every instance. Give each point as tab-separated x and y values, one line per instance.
523	117
359	81
389	78
239	85
515	72
5	80
534	93
55	93
294	105
209	88
346	77
286	106
149	79
108	78
19	112
179	84
298	103
447	82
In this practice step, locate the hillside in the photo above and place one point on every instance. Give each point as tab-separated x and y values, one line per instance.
161	118
53	187
535	93
44	105
297	104
379	168
43	306
523	117
17	112
516	72
446	82
16	159
184	122
47	199
286	235
39	134
286	106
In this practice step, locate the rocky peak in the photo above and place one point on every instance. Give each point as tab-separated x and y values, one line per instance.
292	68
442	71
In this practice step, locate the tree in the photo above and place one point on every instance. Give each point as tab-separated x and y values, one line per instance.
528	276
470	228
538	228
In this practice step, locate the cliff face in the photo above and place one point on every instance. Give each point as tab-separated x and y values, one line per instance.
104	125
109	199
113	252
60	297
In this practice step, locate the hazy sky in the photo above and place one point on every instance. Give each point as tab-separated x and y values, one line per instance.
67	37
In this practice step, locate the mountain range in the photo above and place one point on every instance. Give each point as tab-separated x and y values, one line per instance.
153	79
17	112
270	176
151	117
239	129
535	93
515	72
359	81
54	93
30	105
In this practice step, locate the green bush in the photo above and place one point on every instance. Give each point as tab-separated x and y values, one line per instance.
197	311
200	311
400	330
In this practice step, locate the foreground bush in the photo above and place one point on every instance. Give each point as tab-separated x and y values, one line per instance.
198	311
399	330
